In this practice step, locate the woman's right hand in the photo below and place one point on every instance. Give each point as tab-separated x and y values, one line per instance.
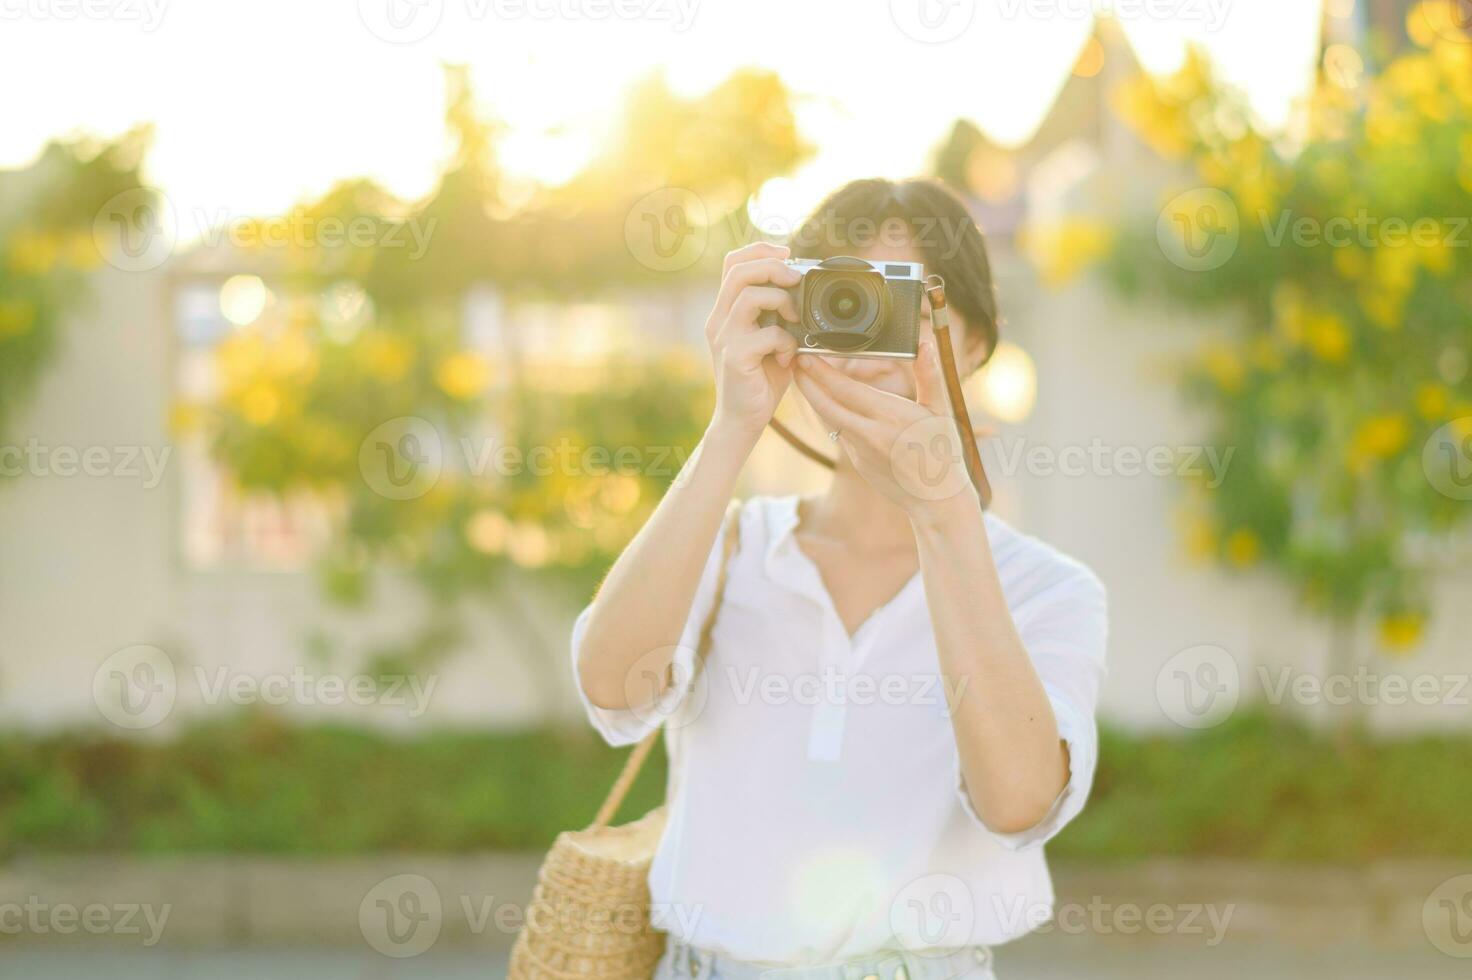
753	363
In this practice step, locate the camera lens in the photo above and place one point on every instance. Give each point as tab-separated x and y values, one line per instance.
847	310
845	303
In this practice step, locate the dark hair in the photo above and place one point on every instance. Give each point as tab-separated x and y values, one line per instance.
923	214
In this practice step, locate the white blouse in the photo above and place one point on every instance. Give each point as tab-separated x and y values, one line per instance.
816	812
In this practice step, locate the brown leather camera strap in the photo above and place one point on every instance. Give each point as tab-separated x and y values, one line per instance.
940	320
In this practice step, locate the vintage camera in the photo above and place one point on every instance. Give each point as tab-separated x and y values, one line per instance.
855	308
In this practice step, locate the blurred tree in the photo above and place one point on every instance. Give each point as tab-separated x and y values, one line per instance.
46	247
298	402
1344	383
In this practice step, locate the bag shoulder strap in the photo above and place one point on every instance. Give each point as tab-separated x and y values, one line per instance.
731	535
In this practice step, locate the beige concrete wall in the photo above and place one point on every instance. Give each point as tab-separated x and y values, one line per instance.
88	565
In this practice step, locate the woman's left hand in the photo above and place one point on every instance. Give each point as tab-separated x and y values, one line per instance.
908	450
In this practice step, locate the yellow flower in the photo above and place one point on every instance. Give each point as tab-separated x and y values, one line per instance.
1435	255
1401	631
240	358
1455	60
1383	307
1200	537
184	418
1255	191
1266	354
487	531
1332	173
1243	547
1225	367
1395	266
619	492
1327	336
1288	309
1350	263
386	356
1213	171
81	252
1195	524
33	253
259	404
463	375
1432	400
1062	251
1377	437
1389	127
293	354
528	545
17	316
1433	21
1157	123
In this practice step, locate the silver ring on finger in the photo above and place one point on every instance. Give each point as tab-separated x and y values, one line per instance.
834	434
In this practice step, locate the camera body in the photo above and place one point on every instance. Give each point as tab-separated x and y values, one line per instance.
851	307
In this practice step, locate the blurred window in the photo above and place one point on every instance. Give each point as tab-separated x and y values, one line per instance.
223	528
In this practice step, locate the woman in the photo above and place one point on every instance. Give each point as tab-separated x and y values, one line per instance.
897	705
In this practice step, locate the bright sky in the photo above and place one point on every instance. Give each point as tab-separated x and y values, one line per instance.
259	103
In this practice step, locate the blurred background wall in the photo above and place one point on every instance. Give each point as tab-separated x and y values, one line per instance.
178	559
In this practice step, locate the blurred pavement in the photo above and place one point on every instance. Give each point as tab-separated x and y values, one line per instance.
1042	958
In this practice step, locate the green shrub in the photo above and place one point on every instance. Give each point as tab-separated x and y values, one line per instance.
1255	788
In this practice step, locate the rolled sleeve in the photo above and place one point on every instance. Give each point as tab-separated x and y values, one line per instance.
1066	640
625	726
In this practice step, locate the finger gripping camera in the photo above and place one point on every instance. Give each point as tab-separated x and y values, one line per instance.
852	307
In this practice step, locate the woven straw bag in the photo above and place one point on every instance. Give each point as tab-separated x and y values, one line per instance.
589	914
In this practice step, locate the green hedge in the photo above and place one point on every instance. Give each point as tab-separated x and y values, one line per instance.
1254	788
